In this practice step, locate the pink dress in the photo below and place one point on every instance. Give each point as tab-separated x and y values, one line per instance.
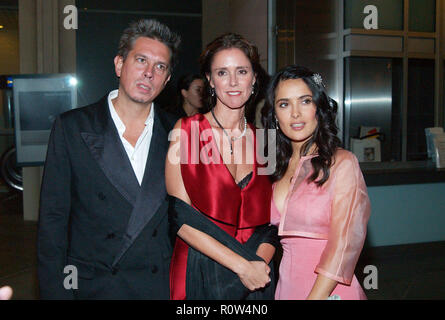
322	230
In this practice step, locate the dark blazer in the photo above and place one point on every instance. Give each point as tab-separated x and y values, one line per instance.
95	216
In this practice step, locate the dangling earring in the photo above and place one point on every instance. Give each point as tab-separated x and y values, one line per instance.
253	89
212	91
276	123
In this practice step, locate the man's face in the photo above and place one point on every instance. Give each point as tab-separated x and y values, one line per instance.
145	71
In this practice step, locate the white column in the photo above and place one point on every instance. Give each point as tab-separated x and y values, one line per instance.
45	47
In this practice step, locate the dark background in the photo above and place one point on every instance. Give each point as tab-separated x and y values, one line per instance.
100	26
39	109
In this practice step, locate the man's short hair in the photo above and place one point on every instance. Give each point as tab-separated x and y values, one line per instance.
152	29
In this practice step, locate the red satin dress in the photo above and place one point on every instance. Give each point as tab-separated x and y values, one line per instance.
214	192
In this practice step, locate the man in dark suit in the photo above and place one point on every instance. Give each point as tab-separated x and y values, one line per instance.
103	227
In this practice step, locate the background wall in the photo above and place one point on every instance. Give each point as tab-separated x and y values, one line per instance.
405	214
9	51
246	17
9	60
45	47
100	26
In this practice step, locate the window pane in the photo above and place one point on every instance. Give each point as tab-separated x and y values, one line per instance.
286	33
390	13
422	15
395	140
307	35
420	106
373	91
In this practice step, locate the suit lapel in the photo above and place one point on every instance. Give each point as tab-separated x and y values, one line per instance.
153	191
107	149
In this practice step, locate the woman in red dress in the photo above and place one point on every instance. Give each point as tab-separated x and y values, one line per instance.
226	251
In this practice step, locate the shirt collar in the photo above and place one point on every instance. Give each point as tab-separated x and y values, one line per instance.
117	120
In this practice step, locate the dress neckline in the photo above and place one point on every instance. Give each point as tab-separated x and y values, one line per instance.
245	181
207	123
292	183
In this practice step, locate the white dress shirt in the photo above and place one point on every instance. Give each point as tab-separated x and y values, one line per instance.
139	153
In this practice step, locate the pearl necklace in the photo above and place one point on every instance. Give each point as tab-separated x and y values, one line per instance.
231	139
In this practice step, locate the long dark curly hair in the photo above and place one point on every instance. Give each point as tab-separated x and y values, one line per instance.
325	135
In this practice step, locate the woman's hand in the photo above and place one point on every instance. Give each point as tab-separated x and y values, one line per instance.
254	274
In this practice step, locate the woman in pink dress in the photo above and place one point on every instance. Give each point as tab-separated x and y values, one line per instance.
319	202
